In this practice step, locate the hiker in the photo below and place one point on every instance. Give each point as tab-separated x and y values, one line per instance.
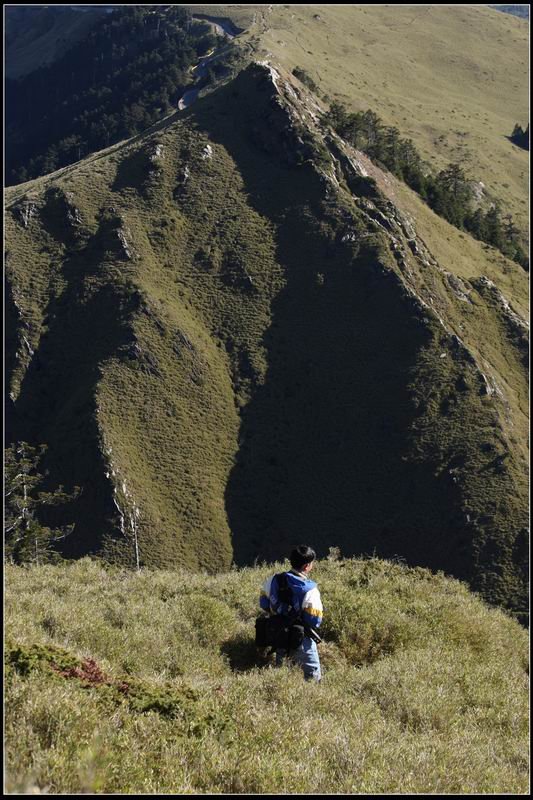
300	604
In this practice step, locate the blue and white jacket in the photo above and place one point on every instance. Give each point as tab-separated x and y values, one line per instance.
305	596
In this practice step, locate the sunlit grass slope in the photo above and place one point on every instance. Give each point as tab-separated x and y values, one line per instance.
124	682
453	78
460	256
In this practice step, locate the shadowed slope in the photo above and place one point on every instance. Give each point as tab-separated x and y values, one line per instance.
372	428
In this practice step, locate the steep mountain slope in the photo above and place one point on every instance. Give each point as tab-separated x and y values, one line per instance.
453	78
232	339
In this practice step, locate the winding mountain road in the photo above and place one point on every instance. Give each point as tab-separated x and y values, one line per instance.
223	27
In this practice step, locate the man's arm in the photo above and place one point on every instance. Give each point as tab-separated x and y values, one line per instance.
312	610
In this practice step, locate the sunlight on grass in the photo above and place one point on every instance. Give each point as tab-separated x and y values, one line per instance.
424	689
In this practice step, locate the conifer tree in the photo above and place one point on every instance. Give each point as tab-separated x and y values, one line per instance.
448	193
26	538
475	223
520	136
494	226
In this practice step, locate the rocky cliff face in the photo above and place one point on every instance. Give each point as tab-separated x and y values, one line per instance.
233	339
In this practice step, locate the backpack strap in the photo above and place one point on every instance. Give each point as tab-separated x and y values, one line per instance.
284	592
285	595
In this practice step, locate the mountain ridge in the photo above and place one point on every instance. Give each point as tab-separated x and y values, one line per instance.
229	330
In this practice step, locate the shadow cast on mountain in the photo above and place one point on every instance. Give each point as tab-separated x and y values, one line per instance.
322	441
85	324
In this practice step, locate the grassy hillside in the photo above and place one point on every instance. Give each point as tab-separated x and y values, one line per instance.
152	415
458	92
39	36
453	78
124	682
231	339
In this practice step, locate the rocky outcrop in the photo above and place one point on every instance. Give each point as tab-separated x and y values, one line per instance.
61	217
25	211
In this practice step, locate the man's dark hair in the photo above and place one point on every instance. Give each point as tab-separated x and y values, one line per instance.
302	555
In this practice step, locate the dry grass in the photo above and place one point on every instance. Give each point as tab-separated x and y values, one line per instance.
424	688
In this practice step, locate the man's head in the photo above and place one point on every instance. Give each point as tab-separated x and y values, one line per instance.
302	558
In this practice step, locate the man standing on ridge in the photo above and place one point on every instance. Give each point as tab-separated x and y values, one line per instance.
306	607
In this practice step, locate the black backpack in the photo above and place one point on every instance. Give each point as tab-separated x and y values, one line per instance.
280	631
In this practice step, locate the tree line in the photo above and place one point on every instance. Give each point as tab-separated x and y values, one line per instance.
449	193
127	73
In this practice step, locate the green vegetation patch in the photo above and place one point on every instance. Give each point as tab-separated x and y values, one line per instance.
126	73
139	695
450	193
24	659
